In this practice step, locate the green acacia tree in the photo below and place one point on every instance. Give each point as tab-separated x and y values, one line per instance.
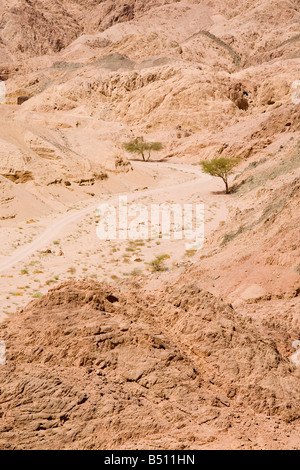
140	147
220	167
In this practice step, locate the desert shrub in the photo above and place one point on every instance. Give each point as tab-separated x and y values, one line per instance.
220	167
158	264
140	147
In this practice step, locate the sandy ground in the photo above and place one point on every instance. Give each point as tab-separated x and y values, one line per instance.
199	347
44	252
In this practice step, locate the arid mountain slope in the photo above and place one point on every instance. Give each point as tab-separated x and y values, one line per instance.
202	354
259	243
39	28
72	378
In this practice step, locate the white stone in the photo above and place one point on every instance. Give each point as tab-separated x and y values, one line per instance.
2	353
295	358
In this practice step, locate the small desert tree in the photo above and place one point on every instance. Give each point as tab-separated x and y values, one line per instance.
220	167
140	147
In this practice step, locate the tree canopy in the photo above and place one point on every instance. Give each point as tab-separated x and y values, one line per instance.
140	147
220	167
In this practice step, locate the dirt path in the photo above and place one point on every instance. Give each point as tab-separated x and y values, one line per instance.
55	229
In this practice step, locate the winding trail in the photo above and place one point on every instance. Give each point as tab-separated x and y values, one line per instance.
72	216
235	56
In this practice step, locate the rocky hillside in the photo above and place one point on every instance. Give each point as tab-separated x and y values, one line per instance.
169	69
72	379
213	335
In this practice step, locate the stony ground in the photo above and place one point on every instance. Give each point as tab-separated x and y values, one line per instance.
146	344
205	376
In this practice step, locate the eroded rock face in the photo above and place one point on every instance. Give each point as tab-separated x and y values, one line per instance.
42	158
90	369
49	28
90	366
154	67
122	164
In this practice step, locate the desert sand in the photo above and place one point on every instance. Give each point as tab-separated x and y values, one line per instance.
199	347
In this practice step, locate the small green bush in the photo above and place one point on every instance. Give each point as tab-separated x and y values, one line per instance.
140	147
158	264
220	167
